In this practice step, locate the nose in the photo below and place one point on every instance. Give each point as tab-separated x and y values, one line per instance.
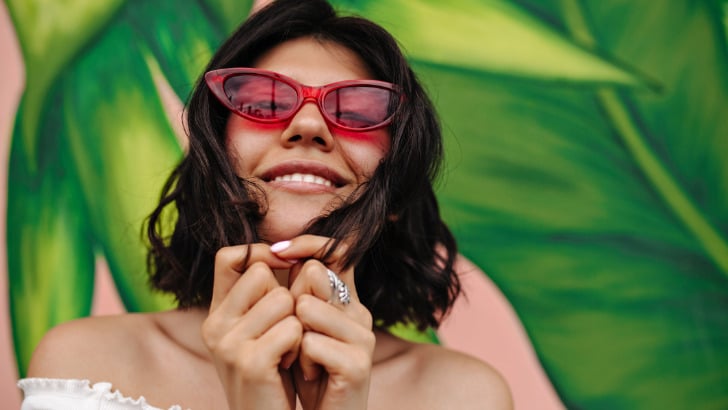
308	127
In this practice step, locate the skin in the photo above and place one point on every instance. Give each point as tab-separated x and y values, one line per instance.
306	143
271	339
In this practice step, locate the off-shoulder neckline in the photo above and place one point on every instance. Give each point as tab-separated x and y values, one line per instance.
84	388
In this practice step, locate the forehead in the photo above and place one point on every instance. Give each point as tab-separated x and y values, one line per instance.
314	62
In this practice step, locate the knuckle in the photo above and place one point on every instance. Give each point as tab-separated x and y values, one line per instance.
308	341
223	351
282	294
369	340
293	327
311	266
303	304
210	331
258	266
259	272
223	257
283	299
311	271
364	316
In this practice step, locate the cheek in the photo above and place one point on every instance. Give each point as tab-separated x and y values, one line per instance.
366	150
248	140
379	139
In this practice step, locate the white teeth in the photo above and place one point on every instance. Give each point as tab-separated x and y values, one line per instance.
308	178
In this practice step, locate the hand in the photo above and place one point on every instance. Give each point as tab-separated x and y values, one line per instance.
335	357
251	330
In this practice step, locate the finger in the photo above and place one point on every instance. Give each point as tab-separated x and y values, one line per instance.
311	278
310	246
311	387
316	279
313	247
250	288
275	306
254	357
283	341
309	369
336	357
231	262
353	325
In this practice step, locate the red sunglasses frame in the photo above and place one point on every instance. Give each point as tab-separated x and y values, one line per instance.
215	80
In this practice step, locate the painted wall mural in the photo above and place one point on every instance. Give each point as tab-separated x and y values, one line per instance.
586	175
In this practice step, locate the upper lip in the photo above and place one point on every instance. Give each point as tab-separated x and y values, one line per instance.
304	167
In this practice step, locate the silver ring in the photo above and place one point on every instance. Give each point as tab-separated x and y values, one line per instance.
339	290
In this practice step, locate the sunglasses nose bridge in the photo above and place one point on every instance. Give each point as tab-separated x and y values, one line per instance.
309	93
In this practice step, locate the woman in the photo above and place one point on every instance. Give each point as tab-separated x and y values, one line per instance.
306	225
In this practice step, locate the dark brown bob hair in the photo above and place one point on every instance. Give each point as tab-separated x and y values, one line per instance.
402	251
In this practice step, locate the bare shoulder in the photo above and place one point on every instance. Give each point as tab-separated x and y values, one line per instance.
87	348
463	381
134	352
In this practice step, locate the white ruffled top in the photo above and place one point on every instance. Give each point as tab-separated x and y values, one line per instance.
43	394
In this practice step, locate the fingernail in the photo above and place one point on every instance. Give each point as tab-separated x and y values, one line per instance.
280	246
294	261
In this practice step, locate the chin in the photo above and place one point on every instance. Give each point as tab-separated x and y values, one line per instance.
280	226
287	217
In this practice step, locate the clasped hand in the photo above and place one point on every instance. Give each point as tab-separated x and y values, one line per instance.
271	343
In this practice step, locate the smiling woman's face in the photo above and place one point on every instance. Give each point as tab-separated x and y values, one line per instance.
305	167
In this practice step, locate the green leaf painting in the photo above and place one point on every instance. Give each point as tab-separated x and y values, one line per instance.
586	171
599	206
92	146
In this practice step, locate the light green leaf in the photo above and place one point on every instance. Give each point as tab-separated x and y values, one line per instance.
123	148
50	33
492	36
411	333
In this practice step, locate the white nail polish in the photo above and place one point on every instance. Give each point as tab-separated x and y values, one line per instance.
280	246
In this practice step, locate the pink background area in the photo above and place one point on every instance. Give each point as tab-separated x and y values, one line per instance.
498	337
11	84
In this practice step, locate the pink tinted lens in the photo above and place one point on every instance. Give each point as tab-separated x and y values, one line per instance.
260	97
359	106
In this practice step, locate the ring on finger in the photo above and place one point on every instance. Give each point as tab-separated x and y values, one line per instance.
339	291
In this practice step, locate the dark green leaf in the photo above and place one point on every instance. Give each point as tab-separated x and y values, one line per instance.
603	214
230	13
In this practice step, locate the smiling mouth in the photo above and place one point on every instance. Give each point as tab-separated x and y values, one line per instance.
307	178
